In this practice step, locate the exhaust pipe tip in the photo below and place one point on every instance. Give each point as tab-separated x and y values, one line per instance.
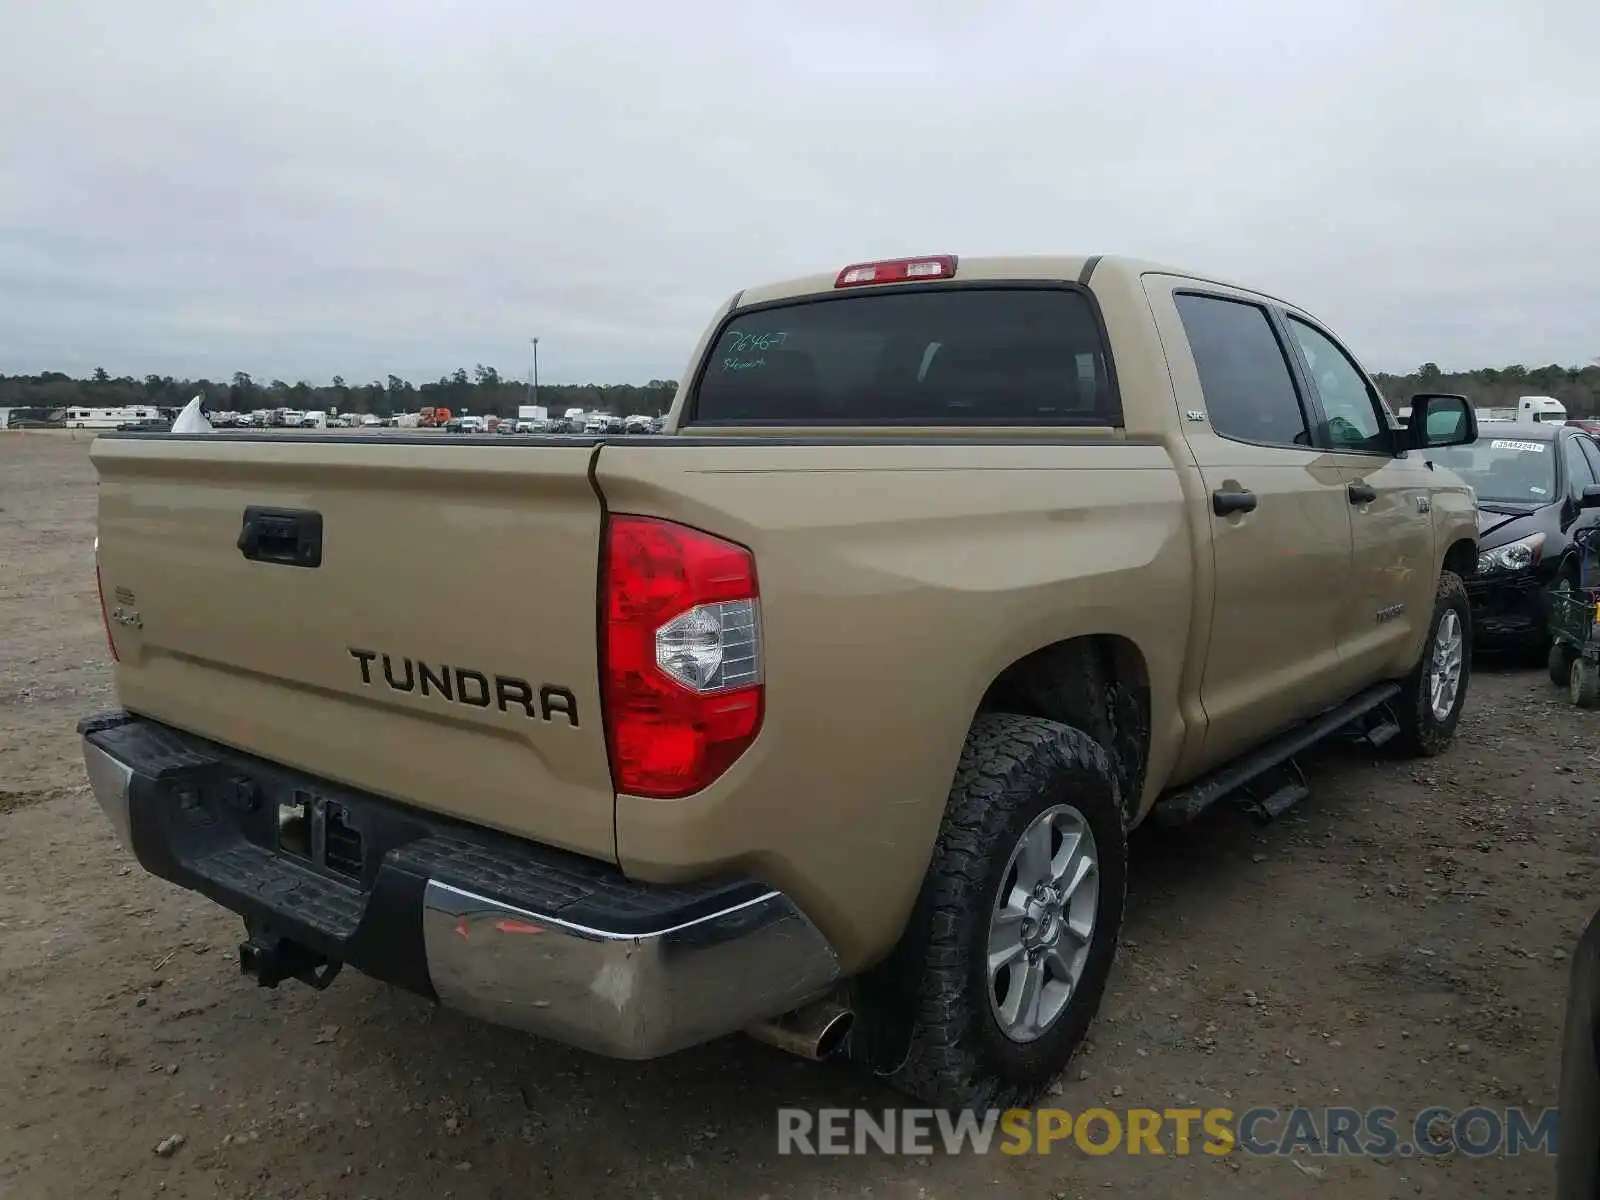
834	1033
815	1032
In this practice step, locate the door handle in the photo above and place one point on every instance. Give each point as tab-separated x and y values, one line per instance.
1362	493
1225	504
290	537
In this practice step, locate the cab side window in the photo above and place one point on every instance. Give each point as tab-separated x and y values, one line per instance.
1249	390
1348	403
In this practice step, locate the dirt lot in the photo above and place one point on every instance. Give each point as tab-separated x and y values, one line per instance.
1399	941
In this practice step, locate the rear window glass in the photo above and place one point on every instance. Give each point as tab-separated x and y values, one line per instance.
935	357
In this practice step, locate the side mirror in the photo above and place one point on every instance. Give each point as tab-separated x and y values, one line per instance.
1439	419
1591	497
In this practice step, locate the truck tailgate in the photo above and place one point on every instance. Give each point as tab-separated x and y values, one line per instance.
442	652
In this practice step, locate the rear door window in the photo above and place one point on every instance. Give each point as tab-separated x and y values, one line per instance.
930	356
1244	374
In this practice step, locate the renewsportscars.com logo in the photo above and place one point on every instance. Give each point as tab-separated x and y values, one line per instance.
1370	1133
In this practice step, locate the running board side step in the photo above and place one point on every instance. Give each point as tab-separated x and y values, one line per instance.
1375	728
1287	784
1184	805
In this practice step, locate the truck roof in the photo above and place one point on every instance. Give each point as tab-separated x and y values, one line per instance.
1022	266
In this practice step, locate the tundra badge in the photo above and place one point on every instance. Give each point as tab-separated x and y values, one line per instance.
463	685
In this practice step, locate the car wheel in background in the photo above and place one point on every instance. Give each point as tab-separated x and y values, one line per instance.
1583	685
1562	656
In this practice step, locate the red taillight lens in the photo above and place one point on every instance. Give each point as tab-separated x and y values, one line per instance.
898	270
682	679
105	614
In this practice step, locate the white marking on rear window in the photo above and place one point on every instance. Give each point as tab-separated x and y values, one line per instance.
1530	447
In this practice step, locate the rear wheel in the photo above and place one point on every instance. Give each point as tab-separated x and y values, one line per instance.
1016	925
1584	683
1562	656
1428	708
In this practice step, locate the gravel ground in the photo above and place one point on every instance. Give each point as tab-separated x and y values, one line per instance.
1399	940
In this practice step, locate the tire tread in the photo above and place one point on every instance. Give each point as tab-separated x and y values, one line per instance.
1421	735
1006	760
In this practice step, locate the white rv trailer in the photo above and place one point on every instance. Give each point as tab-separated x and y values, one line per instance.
110	418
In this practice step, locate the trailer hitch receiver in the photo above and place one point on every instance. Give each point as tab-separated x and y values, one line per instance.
269	960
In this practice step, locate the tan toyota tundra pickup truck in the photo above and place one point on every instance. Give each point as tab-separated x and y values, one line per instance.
824	718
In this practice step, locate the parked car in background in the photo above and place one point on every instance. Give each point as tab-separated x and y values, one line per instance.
1536	484
149	425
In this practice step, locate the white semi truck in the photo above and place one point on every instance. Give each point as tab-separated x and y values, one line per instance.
1546	409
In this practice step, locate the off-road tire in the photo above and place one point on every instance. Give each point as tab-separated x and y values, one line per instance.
1562	657
1012	769
1583	684
1422	735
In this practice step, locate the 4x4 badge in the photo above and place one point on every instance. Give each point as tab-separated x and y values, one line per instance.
1424	504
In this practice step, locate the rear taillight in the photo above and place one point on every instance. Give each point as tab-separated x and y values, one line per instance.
898	270
105	613
681	640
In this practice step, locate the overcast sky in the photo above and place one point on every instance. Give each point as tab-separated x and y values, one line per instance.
301	189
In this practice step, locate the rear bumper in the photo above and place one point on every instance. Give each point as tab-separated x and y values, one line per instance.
502	929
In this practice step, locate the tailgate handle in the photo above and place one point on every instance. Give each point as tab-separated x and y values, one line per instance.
290	537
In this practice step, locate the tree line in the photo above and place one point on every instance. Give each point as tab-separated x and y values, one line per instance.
1578	388
484	391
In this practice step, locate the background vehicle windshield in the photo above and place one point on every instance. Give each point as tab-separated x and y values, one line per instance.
1505	469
